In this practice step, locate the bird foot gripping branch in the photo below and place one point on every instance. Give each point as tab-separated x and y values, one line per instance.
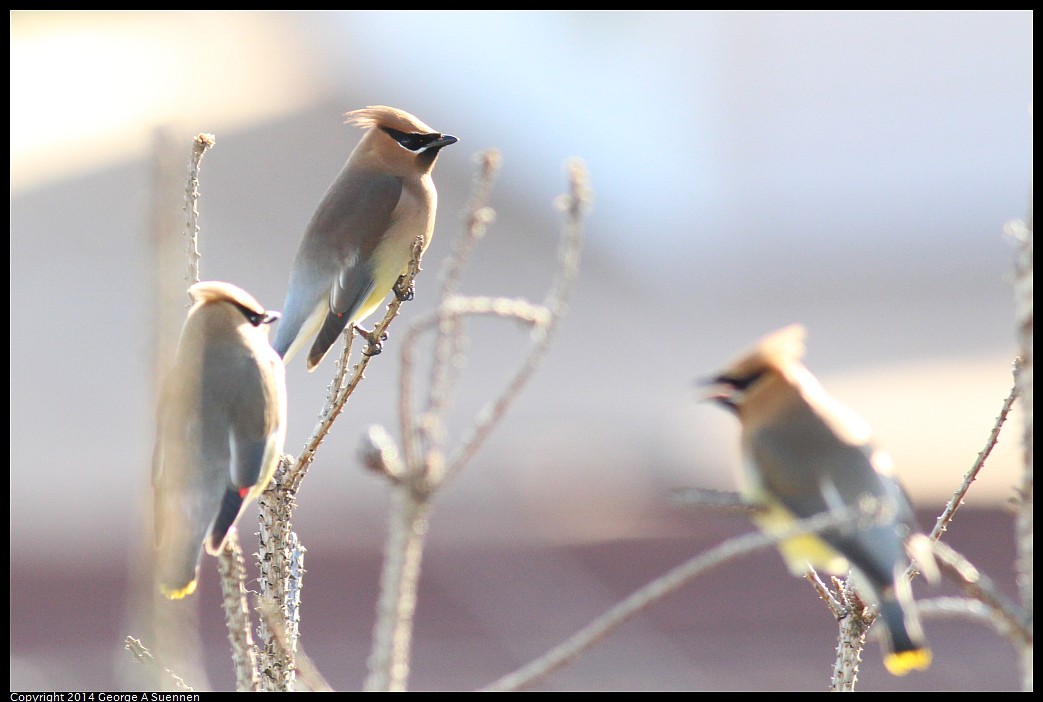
404	292
374	341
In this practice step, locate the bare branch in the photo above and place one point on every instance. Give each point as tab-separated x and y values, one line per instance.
478	217
200	145
388	662
280	558
307	671
854	622
659	588
575	205
444	369
835	604
232	569
957	499
718	501
424	466
980	587
854	619
144	656
380	454
965	608
337	394
1021	233
344	383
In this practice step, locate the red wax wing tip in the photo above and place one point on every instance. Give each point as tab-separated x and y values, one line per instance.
243	492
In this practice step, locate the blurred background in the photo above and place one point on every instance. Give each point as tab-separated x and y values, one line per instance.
852	171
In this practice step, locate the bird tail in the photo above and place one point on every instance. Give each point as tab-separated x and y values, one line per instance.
905	645
231	505
177	564
179	592
178	550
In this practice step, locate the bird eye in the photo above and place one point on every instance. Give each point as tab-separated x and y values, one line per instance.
252	317
411	140
739	383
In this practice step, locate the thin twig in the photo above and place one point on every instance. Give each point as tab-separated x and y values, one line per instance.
662	586
445	367
337	394
478	218
281	555
429	429
200	145
957	499
144	656
717	501
1022	233
388	662
980	587
448	348
965	608
379	453
424	466
575	204
836	606
344	383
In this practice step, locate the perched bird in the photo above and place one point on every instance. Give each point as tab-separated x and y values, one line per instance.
804	454
360	239
221	428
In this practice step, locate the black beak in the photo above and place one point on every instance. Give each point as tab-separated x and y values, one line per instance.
443	140
718	389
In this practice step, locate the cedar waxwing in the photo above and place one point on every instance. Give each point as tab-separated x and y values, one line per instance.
222	424
804	454
360	239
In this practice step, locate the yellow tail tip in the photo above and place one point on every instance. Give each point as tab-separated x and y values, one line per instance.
901	662
177	594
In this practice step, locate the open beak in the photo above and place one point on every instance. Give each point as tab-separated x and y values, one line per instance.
717	390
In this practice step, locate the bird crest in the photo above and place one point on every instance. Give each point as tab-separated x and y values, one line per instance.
218	291
778	350
384	116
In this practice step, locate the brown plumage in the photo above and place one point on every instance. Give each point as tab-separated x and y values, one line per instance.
221	427
360	239
804	454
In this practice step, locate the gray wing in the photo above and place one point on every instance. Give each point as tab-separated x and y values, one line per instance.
182	508
810	470
175	458
250	389
252	422
331	263
362	218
